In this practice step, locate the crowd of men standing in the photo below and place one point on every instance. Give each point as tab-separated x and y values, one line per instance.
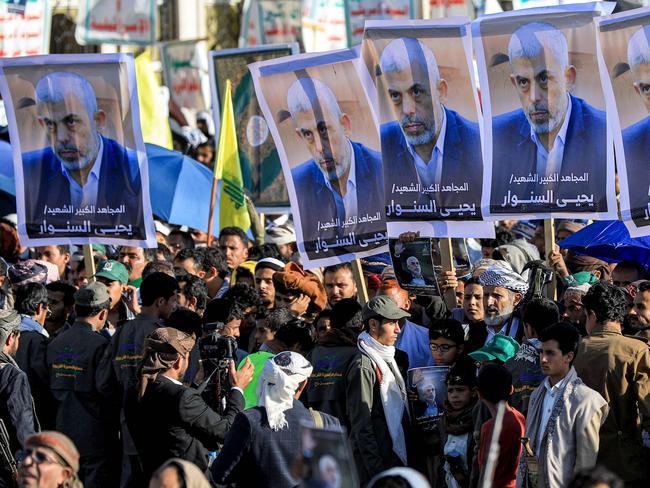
119	379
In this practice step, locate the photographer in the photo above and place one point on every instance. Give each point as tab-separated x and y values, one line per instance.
170	420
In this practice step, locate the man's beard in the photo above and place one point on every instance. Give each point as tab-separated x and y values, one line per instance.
427	135
338	168
550	125
498	319
75	165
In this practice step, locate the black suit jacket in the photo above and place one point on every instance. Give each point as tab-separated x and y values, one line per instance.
636	144
461	163
173	421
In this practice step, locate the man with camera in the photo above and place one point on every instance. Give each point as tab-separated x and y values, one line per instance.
169	420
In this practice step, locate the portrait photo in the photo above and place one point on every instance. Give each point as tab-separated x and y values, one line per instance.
79	159
548	150
429	119
626	82
431	391
325	131
414	266
327	458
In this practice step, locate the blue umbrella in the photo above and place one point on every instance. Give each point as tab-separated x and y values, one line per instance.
610	241
179	187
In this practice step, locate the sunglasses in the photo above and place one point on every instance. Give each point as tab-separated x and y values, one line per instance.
38	457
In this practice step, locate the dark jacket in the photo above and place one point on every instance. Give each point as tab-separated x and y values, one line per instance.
371	441
119	184
461	163
526	374
636	140
171	420
585	150
256	455
16	404
83	382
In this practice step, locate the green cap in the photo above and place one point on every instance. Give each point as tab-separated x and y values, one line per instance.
92	295
501	347
584	277
384	307
112	270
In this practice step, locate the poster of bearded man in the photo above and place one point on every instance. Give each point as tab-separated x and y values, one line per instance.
79	158
548	150
327	137
625	74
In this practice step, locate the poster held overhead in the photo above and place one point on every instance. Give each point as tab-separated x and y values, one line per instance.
325	131
79	159
547	147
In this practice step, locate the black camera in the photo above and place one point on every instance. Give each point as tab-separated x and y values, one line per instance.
215	348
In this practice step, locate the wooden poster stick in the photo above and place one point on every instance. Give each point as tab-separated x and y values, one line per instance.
357	273
447	262
89	262
549	246
213	197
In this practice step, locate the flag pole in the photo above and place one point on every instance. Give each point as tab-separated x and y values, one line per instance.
213	197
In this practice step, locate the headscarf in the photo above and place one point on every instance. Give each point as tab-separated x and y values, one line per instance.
279	234
412	477
498	276
294	279
30	271
577	263
161	350
570	226
190	475
277	384
9	322
64	448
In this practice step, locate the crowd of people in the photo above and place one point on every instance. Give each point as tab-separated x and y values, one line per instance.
199	364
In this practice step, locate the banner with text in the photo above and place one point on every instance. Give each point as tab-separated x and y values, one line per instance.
116	22
270	22
185	65
326	133
79	160
27	33
547	148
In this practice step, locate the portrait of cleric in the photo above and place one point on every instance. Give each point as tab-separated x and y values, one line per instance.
83	182
340	189
432	155
636	138
550	154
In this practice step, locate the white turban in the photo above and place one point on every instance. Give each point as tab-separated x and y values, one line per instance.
278	382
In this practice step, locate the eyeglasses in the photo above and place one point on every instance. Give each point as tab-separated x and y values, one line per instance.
444	348
38	457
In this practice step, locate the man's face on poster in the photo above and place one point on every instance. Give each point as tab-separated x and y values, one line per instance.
326	138
415	105
542	84
641	74
413	265
71	130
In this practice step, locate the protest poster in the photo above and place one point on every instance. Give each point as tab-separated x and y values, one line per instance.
327	459
258	156
428	389
548	149
27	33
417	263
79	161
434	9
327	137
185	67
625	74
333	24
116	22
430	126
270	22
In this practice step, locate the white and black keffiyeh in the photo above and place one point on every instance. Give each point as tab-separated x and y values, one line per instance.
498	276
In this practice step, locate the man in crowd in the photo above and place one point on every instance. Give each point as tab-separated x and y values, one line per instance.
115	277
188	261
83	382
627	272
177	240
339	283
233	242
135	259
58	256
574	311
377	407
170	420
640	313
564	439
60	298
193	293
502	291
16	405
214	271
617	367
49	460
264	271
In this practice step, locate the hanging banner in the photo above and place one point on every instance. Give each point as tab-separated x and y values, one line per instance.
625	74
116	22
328	140
436	9
337	24
430	126
548	151
270	22
27	33
185	66
260	163
79	160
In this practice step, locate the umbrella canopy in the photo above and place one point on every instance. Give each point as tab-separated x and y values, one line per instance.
179	187
610	241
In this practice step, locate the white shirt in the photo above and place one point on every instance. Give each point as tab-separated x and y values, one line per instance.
547	406
550	163
514	328
80	196
350	199
430	173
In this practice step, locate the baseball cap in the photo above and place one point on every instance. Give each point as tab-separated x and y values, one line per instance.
383	306
92	295
112	270
501	347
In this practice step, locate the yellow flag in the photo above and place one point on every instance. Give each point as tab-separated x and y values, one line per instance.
153	109
232	207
